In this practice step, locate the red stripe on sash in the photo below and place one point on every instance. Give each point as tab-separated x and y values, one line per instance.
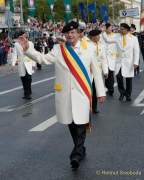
75	74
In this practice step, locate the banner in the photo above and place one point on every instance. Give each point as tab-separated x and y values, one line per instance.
104	13
2	3
10	4
51	4
67	5
83	12
92	9
31	8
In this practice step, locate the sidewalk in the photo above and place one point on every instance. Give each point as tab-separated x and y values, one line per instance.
7	69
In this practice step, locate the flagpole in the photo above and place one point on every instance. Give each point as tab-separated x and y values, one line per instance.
21	13
78	10
87	10
113	13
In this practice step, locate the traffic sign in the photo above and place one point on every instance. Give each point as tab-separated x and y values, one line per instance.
129	12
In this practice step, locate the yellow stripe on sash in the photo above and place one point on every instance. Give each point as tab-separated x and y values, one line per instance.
78	69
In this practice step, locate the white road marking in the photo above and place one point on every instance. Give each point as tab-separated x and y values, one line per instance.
12	108
44	125
142	112
20	87
6	109
115	84
138	101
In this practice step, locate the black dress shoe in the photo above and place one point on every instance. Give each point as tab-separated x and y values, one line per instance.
121	97
128	98
95	111
27	97
75	164
110	93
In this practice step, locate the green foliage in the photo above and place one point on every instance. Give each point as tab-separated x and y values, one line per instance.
43	11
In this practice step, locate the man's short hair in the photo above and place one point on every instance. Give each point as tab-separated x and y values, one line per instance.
108	25
133	26
124	25
19	33
95	32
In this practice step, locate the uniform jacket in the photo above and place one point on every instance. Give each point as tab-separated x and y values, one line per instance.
24	63
101	57
128	55
110	48
71	102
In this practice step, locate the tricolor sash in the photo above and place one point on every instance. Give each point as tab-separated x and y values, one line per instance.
77	69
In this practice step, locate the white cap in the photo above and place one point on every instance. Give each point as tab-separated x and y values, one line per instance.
82	25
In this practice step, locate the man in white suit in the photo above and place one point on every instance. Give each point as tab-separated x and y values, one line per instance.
100	57
72	102
25	64
128	60
111	54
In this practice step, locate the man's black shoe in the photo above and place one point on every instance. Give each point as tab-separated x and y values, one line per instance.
128	98
95	111
110	93
27	97
75	164
121	97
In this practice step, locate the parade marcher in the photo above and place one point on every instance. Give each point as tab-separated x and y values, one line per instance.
39	47
141	42
102	61
25	64
133	32
128	60
84	40
111	54
74	66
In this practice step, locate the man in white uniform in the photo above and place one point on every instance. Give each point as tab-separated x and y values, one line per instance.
111	54
100	57
74	66
128	48
25	64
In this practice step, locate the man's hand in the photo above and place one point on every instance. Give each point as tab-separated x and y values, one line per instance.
101	99
105	76
135	66
23	42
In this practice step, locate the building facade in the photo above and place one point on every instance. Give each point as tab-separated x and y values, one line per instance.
5	13
132	20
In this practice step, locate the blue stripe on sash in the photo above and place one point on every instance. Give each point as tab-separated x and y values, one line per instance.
79	62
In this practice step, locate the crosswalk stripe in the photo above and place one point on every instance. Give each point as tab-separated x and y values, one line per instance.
44	125
20	87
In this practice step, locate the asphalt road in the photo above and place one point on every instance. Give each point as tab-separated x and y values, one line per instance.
33	146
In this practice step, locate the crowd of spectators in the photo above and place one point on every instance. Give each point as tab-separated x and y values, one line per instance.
45	35
4	47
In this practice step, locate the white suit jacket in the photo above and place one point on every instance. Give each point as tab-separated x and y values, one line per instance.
101	58
128	55
110	48
71	102
24	62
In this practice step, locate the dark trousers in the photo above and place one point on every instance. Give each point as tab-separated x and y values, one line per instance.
94	97
39	66
142	51
109	82
26	82
125	91
78	133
